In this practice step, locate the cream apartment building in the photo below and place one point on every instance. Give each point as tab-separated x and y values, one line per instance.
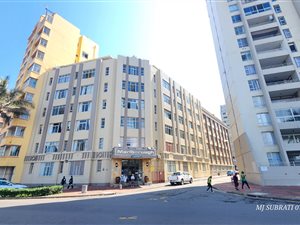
54	41
257	47
110	116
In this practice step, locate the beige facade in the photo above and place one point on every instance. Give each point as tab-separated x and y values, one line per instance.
106	117
257	46
53	41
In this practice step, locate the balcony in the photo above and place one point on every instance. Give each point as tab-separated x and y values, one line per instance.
266	33
261	21
285	96
275	62
281	78
269	47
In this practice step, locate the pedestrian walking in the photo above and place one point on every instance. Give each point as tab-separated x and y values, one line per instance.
243	179
209	186
70	183
63	181
236	181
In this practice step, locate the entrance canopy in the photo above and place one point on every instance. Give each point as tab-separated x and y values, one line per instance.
134	153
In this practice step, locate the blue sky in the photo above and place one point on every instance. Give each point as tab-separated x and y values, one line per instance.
173	34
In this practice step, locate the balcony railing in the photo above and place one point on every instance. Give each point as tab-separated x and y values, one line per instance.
261	23
281	82
269	50
276	65
286	100
265	36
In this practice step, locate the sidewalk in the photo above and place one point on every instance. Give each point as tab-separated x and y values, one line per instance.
270	192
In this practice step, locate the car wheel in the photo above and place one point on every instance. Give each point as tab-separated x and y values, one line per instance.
172	183
191	180
182	182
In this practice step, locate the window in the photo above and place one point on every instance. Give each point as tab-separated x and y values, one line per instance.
133	70
105	87
47	96
263	119
59	94
288	115
43	42
166	84
46	169
192	137
61	167
246	56
46	30
30	82
168	114
297	61
191	125
277	8
79	145
169	147
87	89
167	99
254	85
99	165
51	147
233	8
14	150
102	125
55	128
71	107
40	55
101	143
239	30
88	74
182	134
74	91
168	130
84	106
31	168
236	18
257	8
83	125
133	103
274	159
268	138
250	69
281	20
287	33
132	86
68	125
35	68
133	122
292	47
242	42
104	104
179	106
181	120
106	71
85	55
171	166
178	93
189	112
36	149
58	110
258	101
40	129
28	97
63	78
132	141
185	166
76	168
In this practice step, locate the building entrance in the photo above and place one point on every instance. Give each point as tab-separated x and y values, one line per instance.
132	167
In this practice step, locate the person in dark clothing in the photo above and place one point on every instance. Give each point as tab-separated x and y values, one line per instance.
236	181
209	186
244	181
70	183
63	181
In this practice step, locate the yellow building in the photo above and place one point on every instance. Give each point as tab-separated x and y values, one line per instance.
53	42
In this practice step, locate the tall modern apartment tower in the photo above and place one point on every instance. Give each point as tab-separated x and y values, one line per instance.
257	45
53	42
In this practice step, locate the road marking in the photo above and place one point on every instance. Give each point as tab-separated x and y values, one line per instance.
128	218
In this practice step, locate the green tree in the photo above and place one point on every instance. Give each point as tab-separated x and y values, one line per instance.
12	102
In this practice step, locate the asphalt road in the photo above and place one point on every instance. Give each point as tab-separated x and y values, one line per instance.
177	205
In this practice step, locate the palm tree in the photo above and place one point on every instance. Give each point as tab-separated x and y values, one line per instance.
12	102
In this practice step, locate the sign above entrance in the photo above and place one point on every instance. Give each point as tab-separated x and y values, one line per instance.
133	153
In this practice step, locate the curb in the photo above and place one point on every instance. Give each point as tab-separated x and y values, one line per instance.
51	196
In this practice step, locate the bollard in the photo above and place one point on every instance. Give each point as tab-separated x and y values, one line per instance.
84	189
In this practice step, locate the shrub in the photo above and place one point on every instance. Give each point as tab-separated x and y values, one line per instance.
30	192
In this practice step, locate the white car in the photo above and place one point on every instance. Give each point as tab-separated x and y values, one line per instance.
180	178
7	184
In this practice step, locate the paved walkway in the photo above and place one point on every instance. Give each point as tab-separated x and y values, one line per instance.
276	192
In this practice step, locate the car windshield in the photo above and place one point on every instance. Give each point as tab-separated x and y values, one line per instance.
177	173
3	182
